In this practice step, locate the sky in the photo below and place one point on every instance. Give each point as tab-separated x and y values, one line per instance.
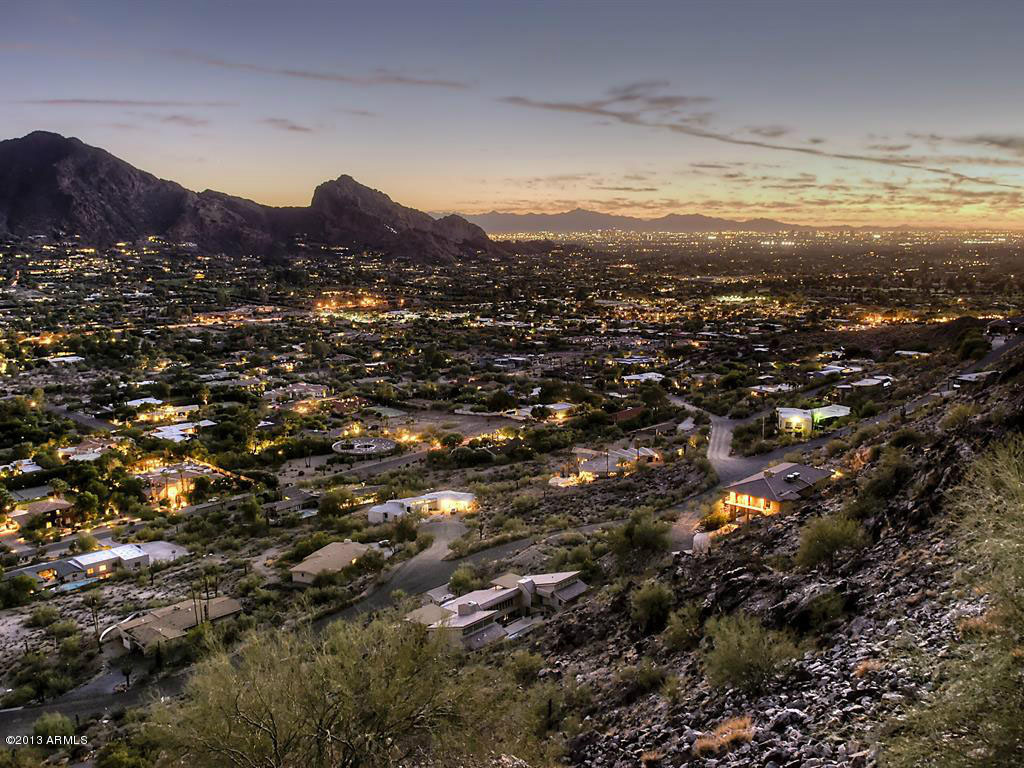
811	111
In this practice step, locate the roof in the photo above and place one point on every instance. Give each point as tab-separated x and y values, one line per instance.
551	579
175	620
484	598
507	580
46	505
333	557
778	483
122	552
571	591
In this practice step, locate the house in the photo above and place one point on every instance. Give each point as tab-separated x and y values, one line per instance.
974	380
802	422
435	502
871	385
615	461
51	509
484	616
173	483
294	499
87	567
181	432
771	491
103	562
651	377
551	590
165	411
297	391
173	621
19	467
89	449
336	556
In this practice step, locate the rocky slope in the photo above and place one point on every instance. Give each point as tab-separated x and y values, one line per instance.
53	185
869	626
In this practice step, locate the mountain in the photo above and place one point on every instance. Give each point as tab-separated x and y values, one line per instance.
581	220
50	184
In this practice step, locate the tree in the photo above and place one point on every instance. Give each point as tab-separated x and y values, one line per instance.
500	400
385	694
16	590
335	502
85	542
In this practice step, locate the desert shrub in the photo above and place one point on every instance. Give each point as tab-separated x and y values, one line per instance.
525	666
683	629
958	417
62	629
43	616
825	608
973	718
650	606
463	580
725	736
823	538
715	518
640	679
52	724
639	542
835	447
906	437
744	654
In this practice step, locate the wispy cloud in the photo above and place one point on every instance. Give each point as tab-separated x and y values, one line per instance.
284	124
638	111
123	103
769	131
188	121
377	77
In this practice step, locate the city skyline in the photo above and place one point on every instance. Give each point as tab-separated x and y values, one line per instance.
807	113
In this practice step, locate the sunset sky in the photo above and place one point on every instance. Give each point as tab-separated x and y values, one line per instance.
810	112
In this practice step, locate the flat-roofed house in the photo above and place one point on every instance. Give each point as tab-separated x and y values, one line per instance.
435	502
173	621
104	562
479	617
772	491
336	556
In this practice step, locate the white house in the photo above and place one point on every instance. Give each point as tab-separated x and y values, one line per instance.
802	422
641	378
435	502
103	562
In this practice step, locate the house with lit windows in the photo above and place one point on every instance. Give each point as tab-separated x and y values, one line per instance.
772	491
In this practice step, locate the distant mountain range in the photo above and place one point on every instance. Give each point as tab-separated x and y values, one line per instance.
582	220
60	186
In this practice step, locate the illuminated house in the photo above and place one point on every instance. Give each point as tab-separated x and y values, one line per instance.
436	502
173	483
771	491
802	422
